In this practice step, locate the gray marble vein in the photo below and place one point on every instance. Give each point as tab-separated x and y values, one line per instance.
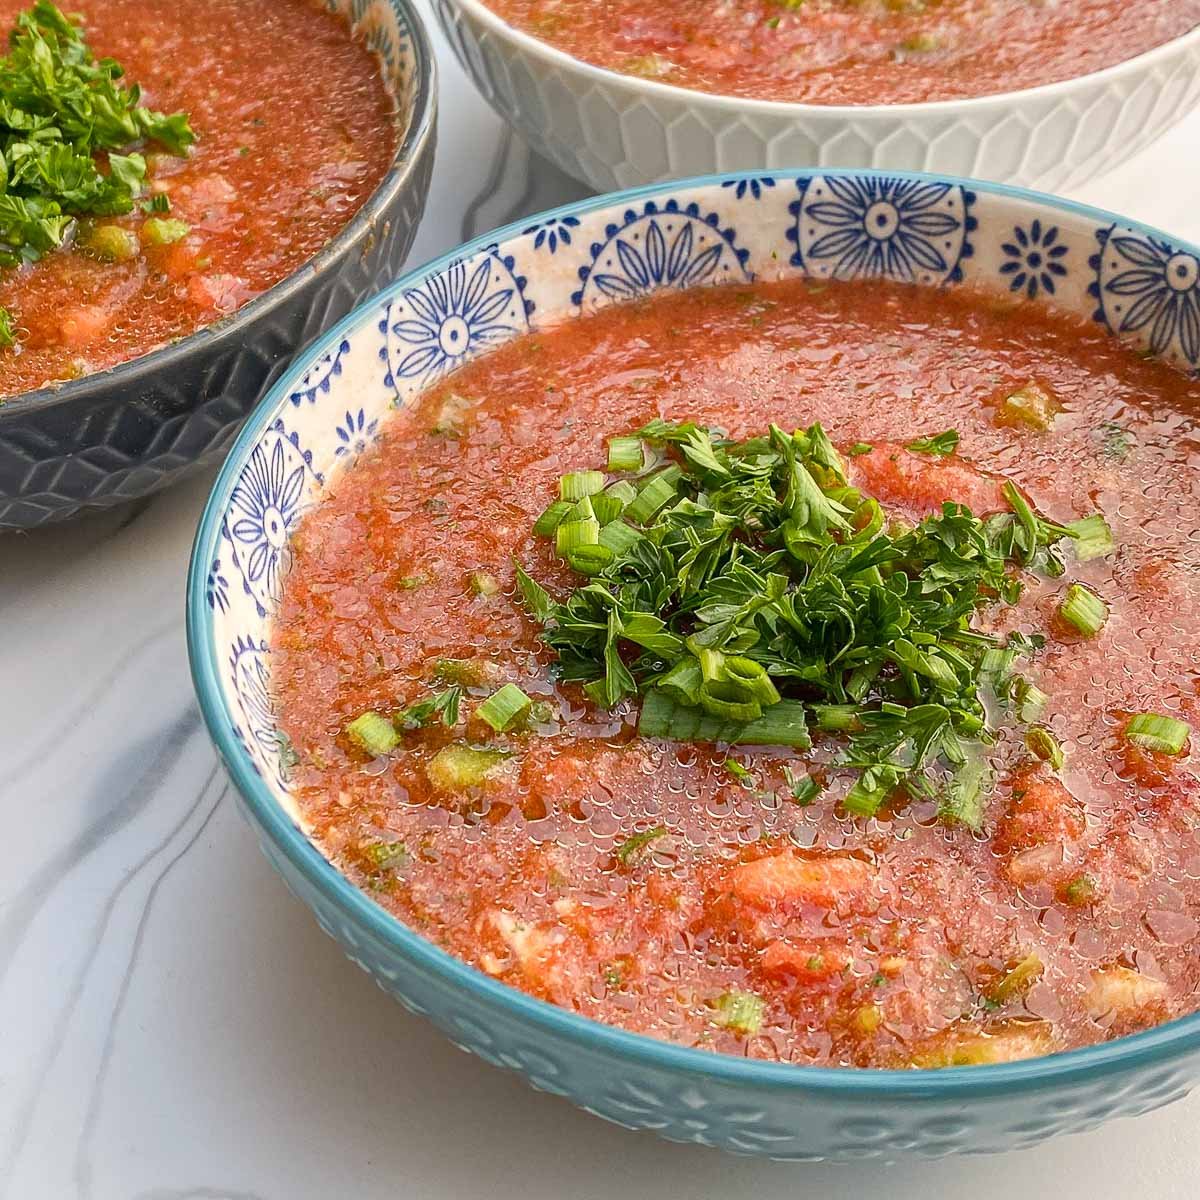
173	1025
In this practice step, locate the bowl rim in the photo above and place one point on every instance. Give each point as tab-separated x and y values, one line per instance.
128	377
1133	1051
795	109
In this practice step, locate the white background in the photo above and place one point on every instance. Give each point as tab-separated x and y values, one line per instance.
173	1026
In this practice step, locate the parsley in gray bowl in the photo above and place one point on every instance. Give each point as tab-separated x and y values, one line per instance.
166	245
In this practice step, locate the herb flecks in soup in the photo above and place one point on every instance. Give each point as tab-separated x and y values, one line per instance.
799	671
853	51
159	173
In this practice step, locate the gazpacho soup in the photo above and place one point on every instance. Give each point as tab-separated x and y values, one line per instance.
853	51
799	670
162	165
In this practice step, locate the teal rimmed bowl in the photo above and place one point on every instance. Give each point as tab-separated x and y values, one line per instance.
327	409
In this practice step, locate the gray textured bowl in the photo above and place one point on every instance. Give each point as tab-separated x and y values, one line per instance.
126	432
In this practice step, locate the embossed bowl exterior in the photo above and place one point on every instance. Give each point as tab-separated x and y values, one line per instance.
327	409
126	432
618	131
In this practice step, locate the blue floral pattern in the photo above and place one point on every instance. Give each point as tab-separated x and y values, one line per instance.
265	505
252	684
216	588
319	378
552	234
1035	259
754	185
854	227
657	248
1149	291
355	433
435	327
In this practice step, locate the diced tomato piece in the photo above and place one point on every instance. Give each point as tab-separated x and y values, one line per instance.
85	323
786	877
1040	811
920	483
222	292
807	962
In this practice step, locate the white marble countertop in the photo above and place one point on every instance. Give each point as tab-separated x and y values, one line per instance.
173	1025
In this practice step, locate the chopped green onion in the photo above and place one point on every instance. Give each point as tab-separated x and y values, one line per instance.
1080	891
374	733
1093	537
552	518
606	507
782	724
625	454
590	560
1042	744
1030	700
682	682
837	718
870	790
504	708
483	584
622	490
1083	610
459	767
618	537
163	231
729	701
572	534
109	243
966	796
753	677
385	856
578	484
1150	731
466	672
859	448
632	848
1017	980
741	1012
658	491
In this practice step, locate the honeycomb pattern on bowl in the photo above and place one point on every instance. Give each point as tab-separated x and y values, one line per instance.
616	131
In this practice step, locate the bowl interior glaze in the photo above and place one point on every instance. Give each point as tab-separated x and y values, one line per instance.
329	409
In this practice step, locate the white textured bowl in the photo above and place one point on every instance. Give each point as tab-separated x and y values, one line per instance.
618	131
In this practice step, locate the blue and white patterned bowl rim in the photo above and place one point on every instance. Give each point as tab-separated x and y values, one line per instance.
327	409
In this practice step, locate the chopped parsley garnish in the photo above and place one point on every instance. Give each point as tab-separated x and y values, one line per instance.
745	591
940	444
59	107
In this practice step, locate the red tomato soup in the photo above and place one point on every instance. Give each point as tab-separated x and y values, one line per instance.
294	128
743	897
853	51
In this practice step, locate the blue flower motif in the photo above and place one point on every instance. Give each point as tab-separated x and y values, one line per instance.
856	227
320	376
216	589
656	249
553	233
755	186
252	683
1148	288
262	508
1035	259
433	328
355	434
